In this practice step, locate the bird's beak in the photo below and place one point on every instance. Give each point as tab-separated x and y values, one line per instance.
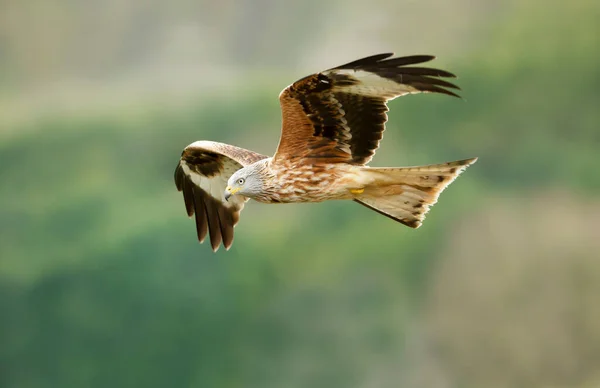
229	192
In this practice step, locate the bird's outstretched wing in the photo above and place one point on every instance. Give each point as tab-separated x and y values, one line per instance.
339	115
202	174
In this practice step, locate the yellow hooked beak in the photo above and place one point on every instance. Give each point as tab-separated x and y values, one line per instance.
229	192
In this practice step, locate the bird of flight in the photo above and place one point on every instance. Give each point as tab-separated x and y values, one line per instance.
332	123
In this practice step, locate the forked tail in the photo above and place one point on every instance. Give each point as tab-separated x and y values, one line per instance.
405	194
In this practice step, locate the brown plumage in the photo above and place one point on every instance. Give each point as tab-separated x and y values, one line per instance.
332	123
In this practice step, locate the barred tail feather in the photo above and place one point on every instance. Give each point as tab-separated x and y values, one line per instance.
406	194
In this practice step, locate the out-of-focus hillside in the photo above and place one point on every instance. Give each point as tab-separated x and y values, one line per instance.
104	284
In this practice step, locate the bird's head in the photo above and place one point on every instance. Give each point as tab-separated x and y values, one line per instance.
246	181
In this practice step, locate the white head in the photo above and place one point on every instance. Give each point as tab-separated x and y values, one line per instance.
246	181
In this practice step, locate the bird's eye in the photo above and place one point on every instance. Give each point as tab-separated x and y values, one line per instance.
241	181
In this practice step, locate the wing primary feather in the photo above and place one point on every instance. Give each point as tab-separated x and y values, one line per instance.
188	195
212	217
440	82
418	79
403	61
370	60
179	177
428	72
427	88
201	216
379	61
182	183
226	222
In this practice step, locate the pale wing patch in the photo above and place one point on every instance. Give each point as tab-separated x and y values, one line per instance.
373	85
216	185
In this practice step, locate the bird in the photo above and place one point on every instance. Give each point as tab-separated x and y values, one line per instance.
332	124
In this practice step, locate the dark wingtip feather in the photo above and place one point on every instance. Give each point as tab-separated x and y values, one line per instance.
408	60
179	176
226	221
426	71
440	82
184	185
201	216
382	61
188	198
214	226
366	61
436	89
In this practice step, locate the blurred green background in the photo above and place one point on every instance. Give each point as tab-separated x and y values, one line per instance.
102	281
